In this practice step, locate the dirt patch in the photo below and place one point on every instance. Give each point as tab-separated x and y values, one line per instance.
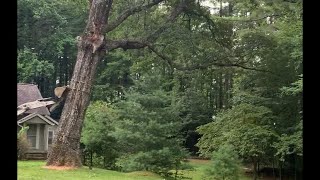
59	167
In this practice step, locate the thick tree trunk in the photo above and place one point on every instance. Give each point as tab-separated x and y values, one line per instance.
92	46
66	148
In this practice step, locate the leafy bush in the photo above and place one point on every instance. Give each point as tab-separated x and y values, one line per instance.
22	143
158	161
225	165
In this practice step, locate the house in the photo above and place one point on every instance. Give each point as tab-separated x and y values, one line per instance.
41	126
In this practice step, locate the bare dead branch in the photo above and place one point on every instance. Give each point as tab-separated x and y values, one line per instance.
128	13
161	55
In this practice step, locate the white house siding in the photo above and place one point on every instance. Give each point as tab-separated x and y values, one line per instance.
41	132
36	120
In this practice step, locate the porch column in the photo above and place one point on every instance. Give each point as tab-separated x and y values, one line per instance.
45	137
38	136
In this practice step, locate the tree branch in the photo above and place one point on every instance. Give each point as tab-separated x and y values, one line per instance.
162	56
107	13
170	19
178	67
200	13
124	44
138	44
147	42
251	20
141	43
221	65
128	13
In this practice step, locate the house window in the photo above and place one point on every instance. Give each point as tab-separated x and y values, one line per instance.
32	135
50	138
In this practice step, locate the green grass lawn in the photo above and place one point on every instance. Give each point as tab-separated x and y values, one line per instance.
197	171
33	170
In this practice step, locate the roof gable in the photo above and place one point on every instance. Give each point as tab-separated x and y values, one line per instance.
28	93
46	119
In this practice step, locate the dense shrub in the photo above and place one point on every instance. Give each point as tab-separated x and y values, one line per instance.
22	143
158	161
225	165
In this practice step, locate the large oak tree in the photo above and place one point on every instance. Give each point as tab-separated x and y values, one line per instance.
93	45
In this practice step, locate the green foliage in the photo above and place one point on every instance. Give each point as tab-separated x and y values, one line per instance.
148	133
290	144
96	133
142	132
225	165
296	88
160	161
237	77
23	143
245	126
113	78
49	29
253	141
30	68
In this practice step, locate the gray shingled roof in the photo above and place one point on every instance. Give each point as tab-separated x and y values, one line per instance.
29	93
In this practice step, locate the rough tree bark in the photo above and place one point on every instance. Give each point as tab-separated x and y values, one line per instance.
66	148
92	47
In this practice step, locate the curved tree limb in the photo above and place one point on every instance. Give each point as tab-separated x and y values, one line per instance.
252	20
141	43
127	13
124	44
161	55
178	67
196	67
147	42
170	19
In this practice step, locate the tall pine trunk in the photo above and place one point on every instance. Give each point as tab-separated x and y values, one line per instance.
66	148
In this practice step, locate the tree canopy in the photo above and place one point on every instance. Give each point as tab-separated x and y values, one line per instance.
179	78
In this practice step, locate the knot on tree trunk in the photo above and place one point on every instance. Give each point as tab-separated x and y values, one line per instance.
93	39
